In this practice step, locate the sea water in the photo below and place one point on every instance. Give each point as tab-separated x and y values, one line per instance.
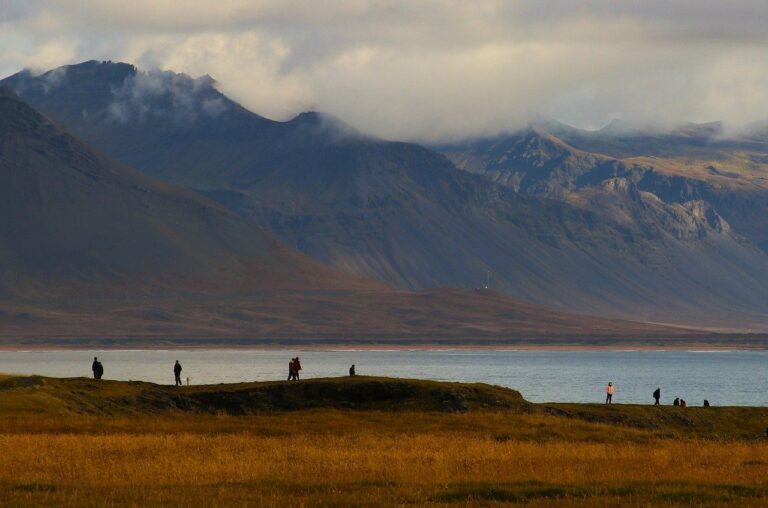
722	377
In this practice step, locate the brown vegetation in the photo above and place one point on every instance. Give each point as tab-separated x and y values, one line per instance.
60	447
439	316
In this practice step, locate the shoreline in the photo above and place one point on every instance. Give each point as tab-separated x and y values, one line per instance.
692	348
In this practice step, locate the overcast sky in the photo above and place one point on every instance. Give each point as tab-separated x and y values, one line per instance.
427	69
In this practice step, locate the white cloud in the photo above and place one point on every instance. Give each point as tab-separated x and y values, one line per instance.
428	69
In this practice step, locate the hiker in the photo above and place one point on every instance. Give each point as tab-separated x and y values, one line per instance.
609	393
296	368
683	403
99	369
290	370
706	403
352	370
657	396
177	373
676	402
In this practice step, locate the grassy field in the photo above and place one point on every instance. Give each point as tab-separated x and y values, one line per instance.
85	443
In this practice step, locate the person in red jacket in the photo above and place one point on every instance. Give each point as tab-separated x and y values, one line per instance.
296	368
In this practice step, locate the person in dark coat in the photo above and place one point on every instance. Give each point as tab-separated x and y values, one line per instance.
657	396
352	370
177	373
95	367
291	371
706	403
676	402
101	371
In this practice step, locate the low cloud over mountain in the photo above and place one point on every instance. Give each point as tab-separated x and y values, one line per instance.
427	70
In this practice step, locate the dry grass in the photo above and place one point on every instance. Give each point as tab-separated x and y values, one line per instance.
57	452
334	458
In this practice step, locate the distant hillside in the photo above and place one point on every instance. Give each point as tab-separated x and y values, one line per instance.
405	215
94	253
444	316
73	222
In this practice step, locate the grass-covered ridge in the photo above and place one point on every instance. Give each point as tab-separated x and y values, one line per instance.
82	396
364	442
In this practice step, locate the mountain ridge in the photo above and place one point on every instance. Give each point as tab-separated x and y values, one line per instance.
405	215
93	253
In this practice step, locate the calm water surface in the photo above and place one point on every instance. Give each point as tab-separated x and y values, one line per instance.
723	377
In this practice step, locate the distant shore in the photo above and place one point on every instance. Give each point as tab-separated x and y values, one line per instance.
690	347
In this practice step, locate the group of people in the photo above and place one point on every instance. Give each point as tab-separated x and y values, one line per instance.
294	366
610	390
98	370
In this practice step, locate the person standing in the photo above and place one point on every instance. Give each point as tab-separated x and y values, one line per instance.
609	390
95	367
290	370
296	368
352	370
177	373
657	396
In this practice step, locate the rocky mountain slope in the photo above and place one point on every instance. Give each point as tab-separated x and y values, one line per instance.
693	163
405	215
92	252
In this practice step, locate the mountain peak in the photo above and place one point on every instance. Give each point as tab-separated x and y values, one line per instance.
309	118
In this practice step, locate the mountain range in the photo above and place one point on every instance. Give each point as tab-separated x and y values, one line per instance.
656	227
93	252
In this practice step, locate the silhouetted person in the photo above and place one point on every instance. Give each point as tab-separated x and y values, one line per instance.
177	373
683	403
657	396
296	368
291	371
706	403
352	370
676	402
97	368
609	390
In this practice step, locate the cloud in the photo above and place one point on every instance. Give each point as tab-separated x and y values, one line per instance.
432	69
148	95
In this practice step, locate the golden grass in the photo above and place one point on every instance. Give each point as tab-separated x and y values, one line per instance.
82	443
337	458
